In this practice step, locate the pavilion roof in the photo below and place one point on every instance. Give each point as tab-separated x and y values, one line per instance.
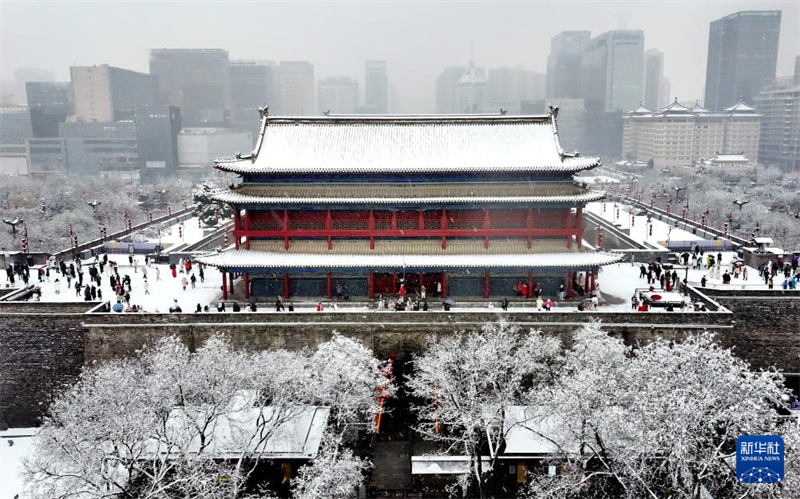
393	193
254	259
408	144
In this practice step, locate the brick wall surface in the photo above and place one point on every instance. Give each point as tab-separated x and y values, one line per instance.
41	352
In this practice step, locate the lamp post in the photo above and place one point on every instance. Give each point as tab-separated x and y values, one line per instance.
13	223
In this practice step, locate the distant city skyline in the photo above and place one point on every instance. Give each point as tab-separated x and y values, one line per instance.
416	39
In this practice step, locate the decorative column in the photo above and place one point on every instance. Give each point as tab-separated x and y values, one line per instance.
224	285
371	227
328	228
286	229
486	284
443	226
328	284
285	285
569	225
247	228
246	279
530	284
444	284
487	224
230	282
579	228
529	226
237	219
371	290
569	284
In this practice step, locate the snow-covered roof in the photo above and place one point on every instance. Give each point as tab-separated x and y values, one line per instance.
697	108
641	110
528	432
445	465
675	107
294	435
407	144
763	240
243	259
427	193
741	108
730	158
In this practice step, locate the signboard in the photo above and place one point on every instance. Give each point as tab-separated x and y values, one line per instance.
759	459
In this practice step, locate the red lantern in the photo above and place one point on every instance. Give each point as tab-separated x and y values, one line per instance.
169	210
633	220
725	227
180	231
149	216
651	229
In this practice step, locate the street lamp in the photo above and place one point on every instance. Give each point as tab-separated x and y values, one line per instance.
163	193
94	204
13	223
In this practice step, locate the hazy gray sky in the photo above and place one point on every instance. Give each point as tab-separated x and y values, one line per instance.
416	38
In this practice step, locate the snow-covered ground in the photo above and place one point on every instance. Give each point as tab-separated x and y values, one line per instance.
15	445
637	226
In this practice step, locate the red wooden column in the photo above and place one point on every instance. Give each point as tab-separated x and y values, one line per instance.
529	226
328	228
579	227
569	284
592	277
371	226
486	284
328	284
237	220
285	285
443	226
286	229
371	283
421	221
247	228
530	284
224	285
569	225
230	282
444	284
246	278
394	284
487	224
394	220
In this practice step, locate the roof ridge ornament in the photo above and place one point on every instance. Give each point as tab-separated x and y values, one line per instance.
264	111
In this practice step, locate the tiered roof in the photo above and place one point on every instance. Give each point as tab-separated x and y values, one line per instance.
411	193
407	144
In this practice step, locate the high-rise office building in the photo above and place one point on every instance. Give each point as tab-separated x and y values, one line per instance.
24	75
337	94
376	86
157	129
106	93
612	80
446	94
197	81
564	64
473	94
15	124
101	148
50	103
779	104
665	93
653	78
742	56
613	70
508	87
295	86
252	86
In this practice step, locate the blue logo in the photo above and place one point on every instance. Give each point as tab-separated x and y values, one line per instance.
759	459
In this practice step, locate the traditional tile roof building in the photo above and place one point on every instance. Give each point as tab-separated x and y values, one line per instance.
472	204
677	135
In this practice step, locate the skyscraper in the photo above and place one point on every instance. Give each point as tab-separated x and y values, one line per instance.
611	82
252	86
473	94
564	64
295	86
779	103
50	103
338	94
197	81
446	95
742	56
376	86
24	75
157	129
106	93
653	78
